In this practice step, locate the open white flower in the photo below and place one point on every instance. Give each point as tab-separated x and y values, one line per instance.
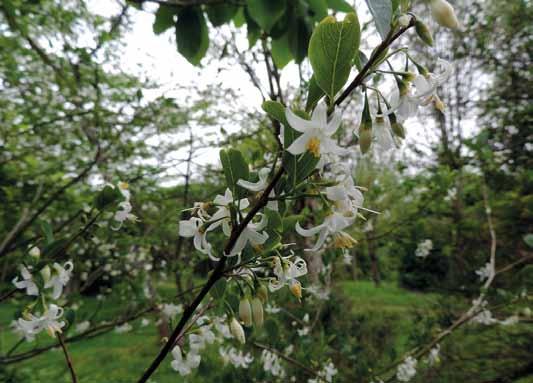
26	282
49	322
194	227
407	370
184	366
271	364
124	328
346	196
251	234
170	310
332	225
485	272
259	186
286	272
237	358
317	132
204	336
433	357
223	216
60	278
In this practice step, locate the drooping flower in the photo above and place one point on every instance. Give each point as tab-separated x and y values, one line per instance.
26	282
332	225
184	366
60	278
382	134
271	364
250	234
194	227
317	132
407	370
433	357
444	14
223	216
237	358
49	322
287	272
259	186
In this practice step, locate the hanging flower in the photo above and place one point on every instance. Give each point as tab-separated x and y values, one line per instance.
60	278
317	132
49	322
184	366
223	216
444	14
194	227
382	134
407	370
252	235
26	282
332	225
259	186
286	273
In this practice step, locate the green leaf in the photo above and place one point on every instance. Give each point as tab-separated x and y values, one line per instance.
340	5
360	60
106	197
164	19
299	34
314	94
47	231
220	14
319	8
253	31
275	110
235	168
266	12
239	19
528	239
306	164
381	10
274	220
280	52
218	289
191	35
332	48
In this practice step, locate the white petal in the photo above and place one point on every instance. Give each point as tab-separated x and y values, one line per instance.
297	123
299	145
334	123
320	115
308	232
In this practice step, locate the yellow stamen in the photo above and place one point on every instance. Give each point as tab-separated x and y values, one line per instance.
344	241
123	185
296	289
313	145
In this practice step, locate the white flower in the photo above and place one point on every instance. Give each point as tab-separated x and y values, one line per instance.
326	374
286	273
303	331
333	224
49	322
259	186
484	317
347	198
347	258
317	132
170	310
223	216
145	322
236	358
424	248
60	278
83	326
26	282
382	135
444	14
271	364
407	370
194	227
184	366
28	335
220	324
250	234
485	272
204	336
35	252
433	357
512	320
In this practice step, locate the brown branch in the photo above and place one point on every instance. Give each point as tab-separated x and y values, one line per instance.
67	358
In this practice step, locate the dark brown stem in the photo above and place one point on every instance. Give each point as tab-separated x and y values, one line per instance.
67	358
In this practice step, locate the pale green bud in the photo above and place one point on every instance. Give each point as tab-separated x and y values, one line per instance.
444	14
35	252
257	311
46	273
237	331
527	312
262	293
245	312
423	32
365	136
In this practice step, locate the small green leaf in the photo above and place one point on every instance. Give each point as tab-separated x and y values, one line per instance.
381	10
314	94
360	60
266	12
47	231
275	110
164	19
235	168
218	289
220	14
306	164
191	35
274	220
528	239
280	52
340	5
332	48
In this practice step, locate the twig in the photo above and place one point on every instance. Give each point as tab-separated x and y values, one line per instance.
67	358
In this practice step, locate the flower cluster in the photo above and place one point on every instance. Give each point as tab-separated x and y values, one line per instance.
407	370
424	248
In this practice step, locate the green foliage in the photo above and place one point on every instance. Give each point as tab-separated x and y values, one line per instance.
332	48
164	19
381	10
266	12
220	14
235	168
192	35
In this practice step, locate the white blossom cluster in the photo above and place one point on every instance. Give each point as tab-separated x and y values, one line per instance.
407	370
326	374
424	248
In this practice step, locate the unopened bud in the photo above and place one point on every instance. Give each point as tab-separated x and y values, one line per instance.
444	14
365	137
257	312
245	312
35	252
236	330
296	288
439	105
46	273
423	32
404	20
262	293
527	312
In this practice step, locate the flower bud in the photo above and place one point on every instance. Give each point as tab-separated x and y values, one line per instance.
404	20
396	127
262	293
296	288
46	273
245	312
527	312
237	331
444	14
35	252
365	137
423	32
257	311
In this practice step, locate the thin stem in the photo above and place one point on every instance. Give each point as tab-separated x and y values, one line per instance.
67	358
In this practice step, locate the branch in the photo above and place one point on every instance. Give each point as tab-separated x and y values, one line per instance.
67	358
